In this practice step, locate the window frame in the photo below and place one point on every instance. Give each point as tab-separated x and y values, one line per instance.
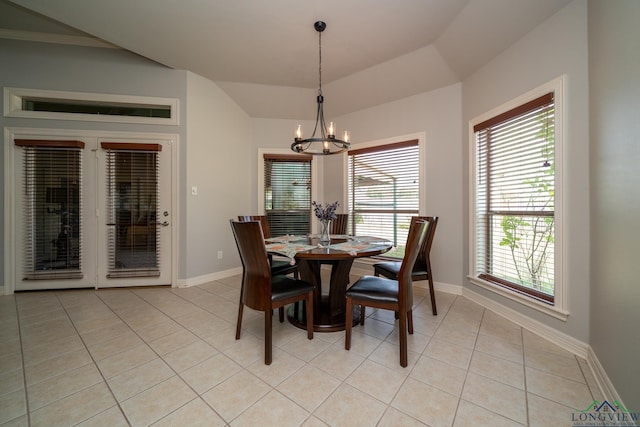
421	138
558	308
14	97
315	164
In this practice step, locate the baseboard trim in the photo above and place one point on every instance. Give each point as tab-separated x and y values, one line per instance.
602	379
195	281
561	339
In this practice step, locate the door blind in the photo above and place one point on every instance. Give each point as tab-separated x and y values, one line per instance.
52	209
287	193
132	209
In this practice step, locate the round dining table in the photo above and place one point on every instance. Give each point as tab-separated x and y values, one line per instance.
310	256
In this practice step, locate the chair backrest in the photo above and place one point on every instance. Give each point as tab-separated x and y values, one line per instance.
264	222
425	249
339	225
417	234
256	277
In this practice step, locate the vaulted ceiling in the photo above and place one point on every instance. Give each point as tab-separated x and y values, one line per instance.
260	52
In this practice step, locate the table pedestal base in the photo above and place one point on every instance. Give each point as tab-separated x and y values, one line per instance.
328	310
298	317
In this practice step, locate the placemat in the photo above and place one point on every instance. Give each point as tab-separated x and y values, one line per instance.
288	249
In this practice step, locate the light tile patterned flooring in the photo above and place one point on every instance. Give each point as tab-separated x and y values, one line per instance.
164	357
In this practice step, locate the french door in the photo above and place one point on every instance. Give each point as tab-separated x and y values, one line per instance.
92	211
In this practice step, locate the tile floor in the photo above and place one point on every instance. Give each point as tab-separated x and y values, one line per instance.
163	357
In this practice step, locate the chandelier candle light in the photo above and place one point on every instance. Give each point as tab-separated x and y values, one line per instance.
326	142
325	214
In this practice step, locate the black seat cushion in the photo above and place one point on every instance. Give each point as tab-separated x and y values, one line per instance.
282	267
392	269
372	288
283	287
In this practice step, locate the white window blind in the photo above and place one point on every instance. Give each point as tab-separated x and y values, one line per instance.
515	183
132	209
287	193
53	209
384	191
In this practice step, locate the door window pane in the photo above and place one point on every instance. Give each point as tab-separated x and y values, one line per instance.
132	202
53	210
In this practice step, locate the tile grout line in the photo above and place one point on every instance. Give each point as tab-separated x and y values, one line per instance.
199	396
159	357
24	370
466	374
158	301
95	363
413	367
524	373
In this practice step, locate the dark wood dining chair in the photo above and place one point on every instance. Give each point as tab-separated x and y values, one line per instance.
278	266
339	225
260	289
388	294
422	268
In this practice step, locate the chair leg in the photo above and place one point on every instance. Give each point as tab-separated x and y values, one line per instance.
403	340
239	324
410	321
348	320
267	337
433	296
281	314
309	305
362	310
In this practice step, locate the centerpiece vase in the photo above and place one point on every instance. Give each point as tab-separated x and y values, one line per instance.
325	226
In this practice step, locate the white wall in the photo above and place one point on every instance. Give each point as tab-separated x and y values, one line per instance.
614	62
557	47
47	66
438	115
218	162
271	134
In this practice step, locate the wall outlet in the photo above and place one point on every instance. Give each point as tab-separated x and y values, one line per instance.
219	254
194	191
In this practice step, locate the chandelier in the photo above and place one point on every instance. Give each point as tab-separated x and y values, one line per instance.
326	141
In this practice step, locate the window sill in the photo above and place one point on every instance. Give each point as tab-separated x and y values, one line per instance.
547	309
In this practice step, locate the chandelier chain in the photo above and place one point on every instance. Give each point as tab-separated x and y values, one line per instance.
320	63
